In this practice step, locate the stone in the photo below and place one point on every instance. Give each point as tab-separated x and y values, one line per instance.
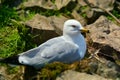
78	17
105	4
56	5
109	70
39	22
39	3
61	3
106	68
3	73
57	22
40	25
73	75
105	32
90	8
104	35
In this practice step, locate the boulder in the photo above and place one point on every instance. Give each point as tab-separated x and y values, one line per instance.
61	3
105	34
105	4
45	27
39	22
73	75
54	5
78	17
90	8
41	26
107	69
103	31
39	3
3	73
57	22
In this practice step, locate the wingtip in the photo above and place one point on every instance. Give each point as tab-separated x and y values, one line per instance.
10	60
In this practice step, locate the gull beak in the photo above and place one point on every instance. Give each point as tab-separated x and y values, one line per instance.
84	30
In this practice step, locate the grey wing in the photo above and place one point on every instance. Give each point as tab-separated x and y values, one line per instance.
33	55
37	51
63	51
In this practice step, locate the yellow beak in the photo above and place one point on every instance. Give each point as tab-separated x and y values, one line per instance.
84	30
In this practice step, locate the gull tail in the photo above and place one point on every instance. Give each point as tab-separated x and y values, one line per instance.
11	60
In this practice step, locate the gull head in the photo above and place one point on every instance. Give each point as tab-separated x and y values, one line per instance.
73	27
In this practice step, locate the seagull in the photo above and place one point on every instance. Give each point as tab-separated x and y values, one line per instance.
68	48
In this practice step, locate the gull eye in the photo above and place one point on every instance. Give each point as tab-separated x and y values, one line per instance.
73	26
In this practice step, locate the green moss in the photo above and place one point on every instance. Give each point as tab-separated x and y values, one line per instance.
12	70
51	71
6	14
115	13
8	41
83	10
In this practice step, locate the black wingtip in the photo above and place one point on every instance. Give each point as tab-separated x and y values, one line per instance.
10	60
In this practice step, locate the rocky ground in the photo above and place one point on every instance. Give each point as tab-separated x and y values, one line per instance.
102	61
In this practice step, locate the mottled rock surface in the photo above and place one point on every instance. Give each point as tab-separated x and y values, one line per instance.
39	22
3	73
73	75
103	31
39	3
57	23
40	25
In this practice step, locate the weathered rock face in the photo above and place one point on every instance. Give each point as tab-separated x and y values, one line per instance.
40	3
108	5
61	3
105	32
39	22
105	35
2	73
40	25
78	17
57	23
95	10
46	27
54	5
107	69
73	75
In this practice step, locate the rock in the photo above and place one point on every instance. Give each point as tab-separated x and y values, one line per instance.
61	3
2	73
57	23
40	25
2	77
46	27
39	22
56	5
39	3
78	17
109	70
105	69
92	12
105	4
73	75
106	33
